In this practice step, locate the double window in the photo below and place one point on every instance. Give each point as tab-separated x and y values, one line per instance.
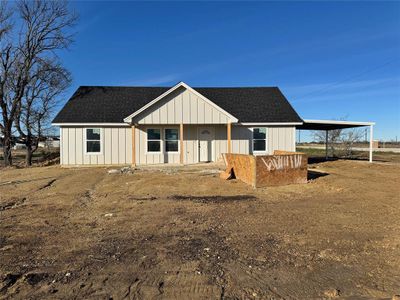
154	140
260	139
93	140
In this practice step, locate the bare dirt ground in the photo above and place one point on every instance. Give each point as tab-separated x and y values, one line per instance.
186	234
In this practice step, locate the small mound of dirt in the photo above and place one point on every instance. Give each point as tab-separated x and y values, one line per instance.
213	199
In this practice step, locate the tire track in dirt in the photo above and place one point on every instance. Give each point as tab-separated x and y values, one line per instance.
48	184
13	203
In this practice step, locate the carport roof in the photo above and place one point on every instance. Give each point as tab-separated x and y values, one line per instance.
330	124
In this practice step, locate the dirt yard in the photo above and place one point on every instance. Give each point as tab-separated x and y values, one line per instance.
186	234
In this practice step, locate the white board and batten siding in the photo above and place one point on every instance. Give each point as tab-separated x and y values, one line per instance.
116	146
182	106
278	138
281	138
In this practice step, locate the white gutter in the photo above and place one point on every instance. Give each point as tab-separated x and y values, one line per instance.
270	123
90	124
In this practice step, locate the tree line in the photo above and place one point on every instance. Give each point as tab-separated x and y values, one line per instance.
32	76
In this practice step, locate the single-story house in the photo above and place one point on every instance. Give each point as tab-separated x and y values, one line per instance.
178	125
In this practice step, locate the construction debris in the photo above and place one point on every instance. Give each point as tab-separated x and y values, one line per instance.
267	170
123	170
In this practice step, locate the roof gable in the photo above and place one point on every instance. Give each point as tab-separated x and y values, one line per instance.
181	104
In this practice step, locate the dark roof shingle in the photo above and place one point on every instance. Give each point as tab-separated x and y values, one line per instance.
97	104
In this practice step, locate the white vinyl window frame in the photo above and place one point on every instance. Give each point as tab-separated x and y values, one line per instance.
177	140
154	140
259	152
93	140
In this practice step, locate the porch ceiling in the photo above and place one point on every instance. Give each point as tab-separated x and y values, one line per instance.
330	124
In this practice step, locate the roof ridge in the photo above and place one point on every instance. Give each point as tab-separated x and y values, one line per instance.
122	86
166	87
234	87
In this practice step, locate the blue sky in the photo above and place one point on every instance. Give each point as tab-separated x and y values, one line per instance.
330	59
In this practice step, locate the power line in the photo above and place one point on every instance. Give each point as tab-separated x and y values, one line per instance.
347	79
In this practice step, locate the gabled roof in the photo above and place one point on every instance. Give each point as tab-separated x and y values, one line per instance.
176	87
97	104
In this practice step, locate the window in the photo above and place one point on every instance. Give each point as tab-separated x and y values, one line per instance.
259	139
153	140
171	140
93	140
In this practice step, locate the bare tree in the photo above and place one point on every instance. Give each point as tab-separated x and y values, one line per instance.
334	138
340	141
348	138
40	96
44	30
5	66
5	16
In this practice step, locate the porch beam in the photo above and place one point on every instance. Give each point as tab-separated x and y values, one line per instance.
181	142
133	146
229	130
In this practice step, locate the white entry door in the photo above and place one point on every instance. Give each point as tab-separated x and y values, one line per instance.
206	136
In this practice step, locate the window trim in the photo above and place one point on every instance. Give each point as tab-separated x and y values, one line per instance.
101	141
165	140
160	140
259	152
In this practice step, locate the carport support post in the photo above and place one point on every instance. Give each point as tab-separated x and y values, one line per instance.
326	144
181	142
371	136
228	127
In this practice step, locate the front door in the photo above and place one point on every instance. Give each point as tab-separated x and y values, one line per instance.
206	135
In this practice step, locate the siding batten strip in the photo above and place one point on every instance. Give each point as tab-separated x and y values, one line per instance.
133	146
181	142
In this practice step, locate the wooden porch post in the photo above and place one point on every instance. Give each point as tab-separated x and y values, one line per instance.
229	136
133	146
181	142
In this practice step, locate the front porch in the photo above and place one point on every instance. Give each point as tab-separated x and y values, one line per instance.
182	143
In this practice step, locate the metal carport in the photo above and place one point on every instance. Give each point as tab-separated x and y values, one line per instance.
327	125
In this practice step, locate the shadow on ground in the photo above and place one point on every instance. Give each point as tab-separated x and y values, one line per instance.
312	174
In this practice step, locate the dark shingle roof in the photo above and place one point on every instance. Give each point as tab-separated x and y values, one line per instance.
112	104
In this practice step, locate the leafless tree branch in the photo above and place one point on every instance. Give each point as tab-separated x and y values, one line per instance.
26	56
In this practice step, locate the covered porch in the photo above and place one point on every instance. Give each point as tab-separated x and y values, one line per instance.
180	143
328	125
